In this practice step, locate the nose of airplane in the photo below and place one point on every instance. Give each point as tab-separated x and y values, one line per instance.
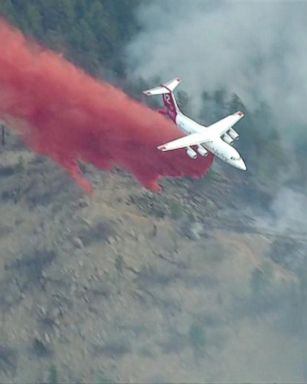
241	165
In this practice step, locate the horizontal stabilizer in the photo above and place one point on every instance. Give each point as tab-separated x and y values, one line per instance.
163	88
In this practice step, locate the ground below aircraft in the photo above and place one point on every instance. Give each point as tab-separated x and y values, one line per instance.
216	138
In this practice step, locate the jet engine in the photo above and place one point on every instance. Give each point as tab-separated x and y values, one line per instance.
202	151
227	138
233	134
191	153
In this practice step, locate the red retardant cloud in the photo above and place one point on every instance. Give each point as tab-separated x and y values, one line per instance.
69	116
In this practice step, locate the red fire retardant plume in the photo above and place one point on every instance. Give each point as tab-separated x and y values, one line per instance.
67	115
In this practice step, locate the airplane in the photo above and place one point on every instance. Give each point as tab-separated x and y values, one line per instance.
216	138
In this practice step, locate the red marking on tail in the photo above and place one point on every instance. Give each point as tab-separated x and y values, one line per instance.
67	115
170	105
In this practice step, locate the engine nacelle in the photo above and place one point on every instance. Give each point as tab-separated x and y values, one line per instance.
227	138
191	153
233	134
202	151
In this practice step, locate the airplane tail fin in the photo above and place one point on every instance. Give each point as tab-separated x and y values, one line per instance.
163	88
166	90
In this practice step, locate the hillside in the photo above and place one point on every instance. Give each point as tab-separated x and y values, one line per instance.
204	282
91	34
129	286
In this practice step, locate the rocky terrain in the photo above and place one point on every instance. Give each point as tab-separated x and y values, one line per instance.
129	286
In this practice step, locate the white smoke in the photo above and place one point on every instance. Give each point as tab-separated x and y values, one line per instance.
287	214
256	49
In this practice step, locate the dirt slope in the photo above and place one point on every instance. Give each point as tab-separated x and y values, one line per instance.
129	286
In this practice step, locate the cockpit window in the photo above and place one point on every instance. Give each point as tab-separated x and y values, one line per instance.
235	158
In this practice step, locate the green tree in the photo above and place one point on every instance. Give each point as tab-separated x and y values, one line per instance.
34	18
53	375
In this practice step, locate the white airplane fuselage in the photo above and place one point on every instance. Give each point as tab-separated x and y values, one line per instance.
216	146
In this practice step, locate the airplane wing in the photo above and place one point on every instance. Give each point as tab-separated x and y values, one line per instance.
222	126
216	129
187	141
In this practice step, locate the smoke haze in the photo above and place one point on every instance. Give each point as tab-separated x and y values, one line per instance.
253	49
